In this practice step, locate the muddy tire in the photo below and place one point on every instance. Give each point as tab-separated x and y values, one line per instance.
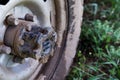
66	19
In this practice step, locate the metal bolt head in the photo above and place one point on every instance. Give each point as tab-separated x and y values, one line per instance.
29	17
11	20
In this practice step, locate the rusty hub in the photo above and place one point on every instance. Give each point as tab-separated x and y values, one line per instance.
28	39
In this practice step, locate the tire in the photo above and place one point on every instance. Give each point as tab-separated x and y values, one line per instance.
66	19
69	18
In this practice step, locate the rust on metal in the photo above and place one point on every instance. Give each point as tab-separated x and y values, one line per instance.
29	17
10	20
28	39
5	49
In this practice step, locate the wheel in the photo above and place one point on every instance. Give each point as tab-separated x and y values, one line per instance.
58	21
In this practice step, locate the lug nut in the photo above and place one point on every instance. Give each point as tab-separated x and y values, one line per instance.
29	17
5	49
28	28
21	42
11	20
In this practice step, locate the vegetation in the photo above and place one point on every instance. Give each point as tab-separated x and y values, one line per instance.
98	55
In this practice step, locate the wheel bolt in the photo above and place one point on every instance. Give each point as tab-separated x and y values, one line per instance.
21	42
28	28
29	17
11	20
5	49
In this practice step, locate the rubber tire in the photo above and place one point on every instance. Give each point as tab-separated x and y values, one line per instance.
69	18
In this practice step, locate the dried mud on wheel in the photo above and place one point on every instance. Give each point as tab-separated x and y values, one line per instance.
39	41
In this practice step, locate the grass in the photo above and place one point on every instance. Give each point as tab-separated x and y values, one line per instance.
98	55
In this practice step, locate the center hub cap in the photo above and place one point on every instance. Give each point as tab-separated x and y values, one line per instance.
28	39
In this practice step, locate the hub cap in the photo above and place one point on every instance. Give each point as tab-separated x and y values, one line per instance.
28	38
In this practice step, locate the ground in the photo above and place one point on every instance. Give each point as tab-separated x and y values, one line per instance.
98	53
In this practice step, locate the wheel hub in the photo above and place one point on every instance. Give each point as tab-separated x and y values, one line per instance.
27	38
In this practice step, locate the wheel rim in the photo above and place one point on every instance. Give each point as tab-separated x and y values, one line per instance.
64	9
43	15
49	69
